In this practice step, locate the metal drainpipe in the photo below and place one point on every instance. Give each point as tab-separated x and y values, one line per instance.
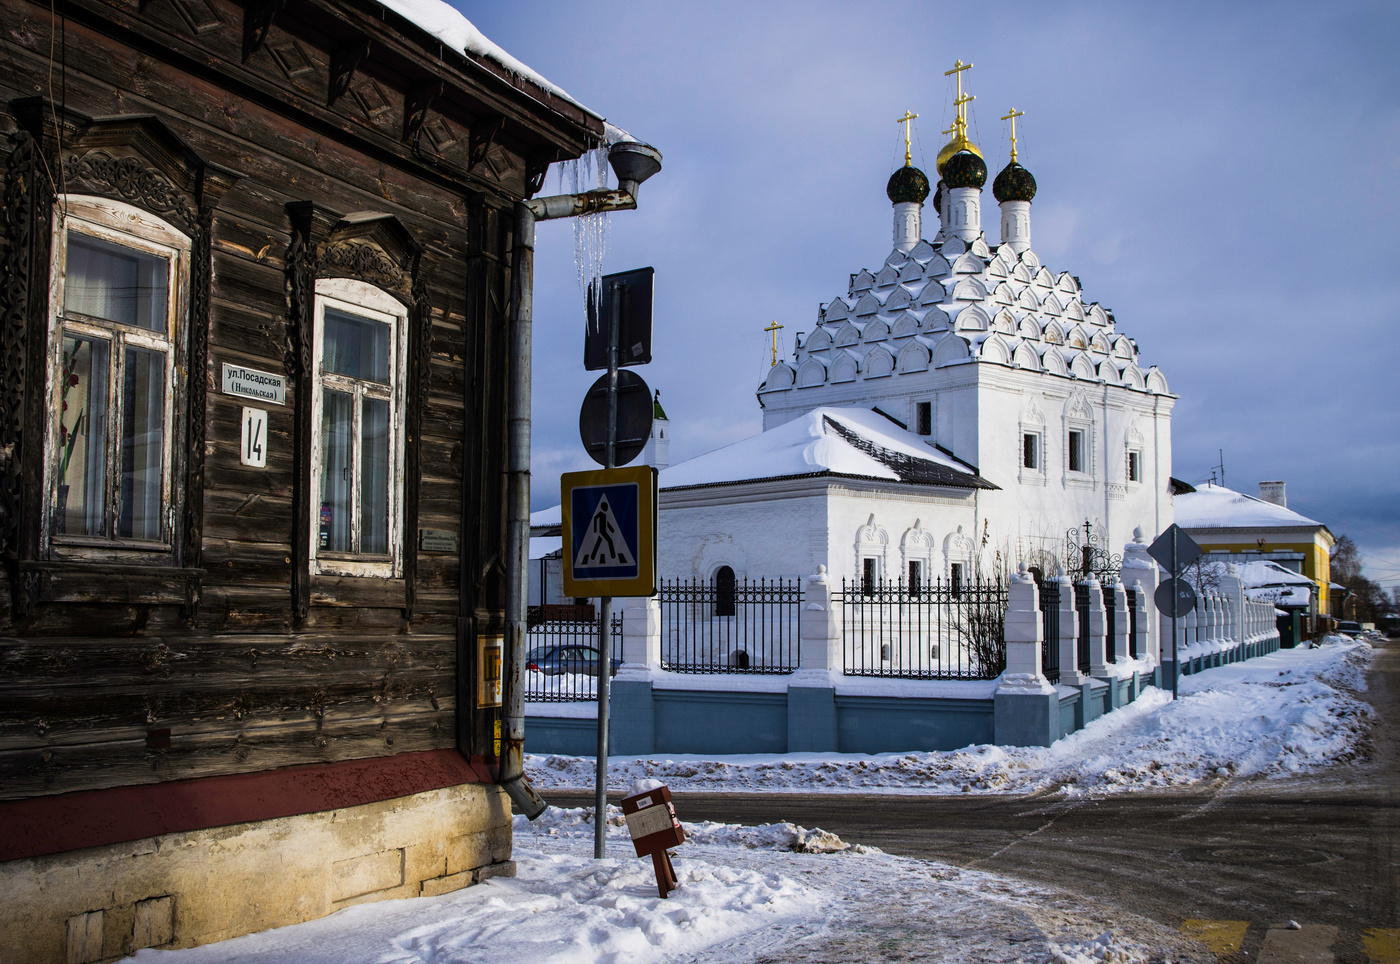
512	766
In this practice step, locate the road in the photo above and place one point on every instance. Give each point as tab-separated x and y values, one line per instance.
1233	862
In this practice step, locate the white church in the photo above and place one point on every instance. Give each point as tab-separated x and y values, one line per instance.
958	408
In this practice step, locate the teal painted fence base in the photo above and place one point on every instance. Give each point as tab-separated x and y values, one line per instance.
792	715
646	719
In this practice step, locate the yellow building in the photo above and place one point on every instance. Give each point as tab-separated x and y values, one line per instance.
1222	520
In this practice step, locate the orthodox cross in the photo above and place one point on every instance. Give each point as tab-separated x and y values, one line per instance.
908	157
1012	118
773	328
961	104
958	102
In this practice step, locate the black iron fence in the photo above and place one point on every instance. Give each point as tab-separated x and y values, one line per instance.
1110	622
1132	623
1050	625
561	659
937	630
731	625
1081	605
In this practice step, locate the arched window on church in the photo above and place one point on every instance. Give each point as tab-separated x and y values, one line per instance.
724	591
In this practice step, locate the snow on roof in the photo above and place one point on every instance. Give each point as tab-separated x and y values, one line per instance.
1265	573
553	516
1216	507
843	441
448	25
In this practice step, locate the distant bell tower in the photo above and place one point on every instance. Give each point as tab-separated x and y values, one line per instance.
658	450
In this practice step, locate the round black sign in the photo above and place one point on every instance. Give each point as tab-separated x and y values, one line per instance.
634	408
1177	593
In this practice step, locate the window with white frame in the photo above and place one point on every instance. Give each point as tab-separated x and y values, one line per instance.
1030	450
119	280
1134	465
1077	450
357	429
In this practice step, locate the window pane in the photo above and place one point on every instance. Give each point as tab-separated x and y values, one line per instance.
82	436
119	284
1028	453
355	346
374	476
337	428
142	444
1076	451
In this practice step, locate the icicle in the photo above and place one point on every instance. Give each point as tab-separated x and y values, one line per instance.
589	171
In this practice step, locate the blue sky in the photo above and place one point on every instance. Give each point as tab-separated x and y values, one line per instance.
1222	176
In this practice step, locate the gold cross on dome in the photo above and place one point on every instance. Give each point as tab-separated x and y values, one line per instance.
1012	118
908	157
960	102
774	328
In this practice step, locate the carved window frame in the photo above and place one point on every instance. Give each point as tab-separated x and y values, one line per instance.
136	160
127	226
367	301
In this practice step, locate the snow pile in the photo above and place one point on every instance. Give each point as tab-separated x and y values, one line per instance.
1286	713
1101	950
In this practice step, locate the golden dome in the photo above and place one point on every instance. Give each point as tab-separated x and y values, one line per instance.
958	143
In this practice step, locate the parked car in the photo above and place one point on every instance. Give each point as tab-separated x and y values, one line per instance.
1350	628
567	659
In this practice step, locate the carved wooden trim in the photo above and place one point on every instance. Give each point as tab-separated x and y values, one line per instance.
419	389
344	62
191	552
130	179
416	102
536	167
257	21
22	176
480	139
308	224
364	261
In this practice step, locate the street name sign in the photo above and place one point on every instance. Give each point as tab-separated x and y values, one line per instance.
609	518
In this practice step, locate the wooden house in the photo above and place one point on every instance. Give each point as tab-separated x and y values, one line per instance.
254	290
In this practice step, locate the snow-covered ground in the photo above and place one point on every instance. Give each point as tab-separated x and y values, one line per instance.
778	892
786	894
1289	712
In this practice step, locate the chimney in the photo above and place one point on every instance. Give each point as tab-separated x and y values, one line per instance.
1273	492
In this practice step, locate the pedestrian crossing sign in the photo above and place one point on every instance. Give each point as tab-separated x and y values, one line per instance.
609	517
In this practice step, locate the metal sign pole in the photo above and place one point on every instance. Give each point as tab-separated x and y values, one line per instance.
600	780
1176	667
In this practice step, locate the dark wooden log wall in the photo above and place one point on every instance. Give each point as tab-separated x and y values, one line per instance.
102	693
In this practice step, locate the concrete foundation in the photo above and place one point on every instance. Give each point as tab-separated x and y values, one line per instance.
182	889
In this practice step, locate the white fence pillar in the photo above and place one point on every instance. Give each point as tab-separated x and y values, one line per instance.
1120	621
1098	650
641	633
1140	571
1024	631
821	625
1069	633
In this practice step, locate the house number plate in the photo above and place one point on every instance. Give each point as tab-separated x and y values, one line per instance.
254	447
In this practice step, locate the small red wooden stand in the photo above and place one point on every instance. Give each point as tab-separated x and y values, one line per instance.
652	822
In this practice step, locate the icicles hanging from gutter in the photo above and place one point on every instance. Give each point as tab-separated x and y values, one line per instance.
588	172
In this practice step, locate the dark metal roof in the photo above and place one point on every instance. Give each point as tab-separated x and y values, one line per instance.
910	468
